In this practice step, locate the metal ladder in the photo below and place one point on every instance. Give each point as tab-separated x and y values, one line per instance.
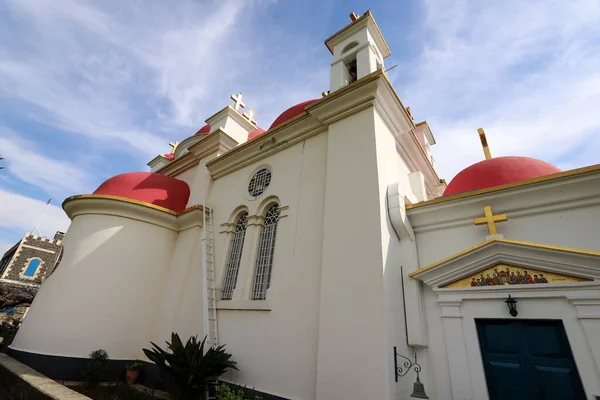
211	291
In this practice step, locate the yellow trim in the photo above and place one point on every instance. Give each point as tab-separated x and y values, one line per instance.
490	219
558	175
122	199
509	241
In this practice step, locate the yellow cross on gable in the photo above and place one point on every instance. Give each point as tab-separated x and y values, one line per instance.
174	146
490	219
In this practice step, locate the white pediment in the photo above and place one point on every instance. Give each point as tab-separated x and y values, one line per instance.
574	263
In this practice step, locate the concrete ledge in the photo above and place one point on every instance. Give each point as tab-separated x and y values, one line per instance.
22	382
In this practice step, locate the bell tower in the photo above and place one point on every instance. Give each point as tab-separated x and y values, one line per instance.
358	49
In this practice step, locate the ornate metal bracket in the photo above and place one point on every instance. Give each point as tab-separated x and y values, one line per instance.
406	365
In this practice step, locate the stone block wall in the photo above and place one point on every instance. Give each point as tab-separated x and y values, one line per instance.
48	251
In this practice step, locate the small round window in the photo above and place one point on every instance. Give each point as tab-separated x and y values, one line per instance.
259	182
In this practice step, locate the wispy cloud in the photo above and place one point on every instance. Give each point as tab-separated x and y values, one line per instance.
525	71
22	213
25	163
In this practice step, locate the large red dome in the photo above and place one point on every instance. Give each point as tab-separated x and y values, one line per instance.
204	130
291	113
498	171
149	187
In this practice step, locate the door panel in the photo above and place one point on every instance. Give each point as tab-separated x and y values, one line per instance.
528	359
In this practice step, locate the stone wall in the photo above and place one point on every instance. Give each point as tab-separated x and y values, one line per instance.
31	247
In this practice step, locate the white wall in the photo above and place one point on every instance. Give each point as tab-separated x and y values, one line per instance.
352	330
102	295
391	168
277	349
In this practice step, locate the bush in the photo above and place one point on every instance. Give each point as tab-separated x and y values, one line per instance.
96	366
187	370
135	366
227	392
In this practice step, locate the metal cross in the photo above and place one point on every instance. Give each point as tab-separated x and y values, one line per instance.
490	219
174	146
249	116
237	99
484	144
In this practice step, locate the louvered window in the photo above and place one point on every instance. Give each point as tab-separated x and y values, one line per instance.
234	257
264	258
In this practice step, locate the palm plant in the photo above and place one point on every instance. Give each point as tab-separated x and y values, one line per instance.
186	371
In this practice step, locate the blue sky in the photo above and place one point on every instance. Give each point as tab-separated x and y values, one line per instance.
90	89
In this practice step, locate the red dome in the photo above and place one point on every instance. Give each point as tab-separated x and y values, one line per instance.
203	130
149	187
170	156
255	133
291	113
498	171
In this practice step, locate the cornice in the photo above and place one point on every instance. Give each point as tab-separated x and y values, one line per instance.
86	204
215	142
473	193
557	259
565	191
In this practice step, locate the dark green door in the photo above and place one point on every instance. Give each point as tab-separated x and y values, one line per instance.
529	360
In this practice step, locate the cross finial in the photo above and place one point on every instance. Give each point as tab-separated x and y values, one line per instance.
249	116
490	219
237	99
353	16
484	144
174	146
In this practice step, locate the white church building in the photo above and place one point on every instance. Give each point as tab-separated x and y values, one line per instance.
325	252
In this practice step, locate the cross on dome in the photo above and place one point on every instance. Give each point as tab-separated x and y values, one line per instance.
174	146
250	117
484	144
237	99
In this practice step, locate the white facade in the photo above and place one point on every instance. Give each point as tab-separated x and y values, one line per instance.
359	224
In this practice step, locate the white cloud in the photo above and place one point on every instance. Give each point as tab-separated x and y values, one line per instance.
55	177
525	71
22	213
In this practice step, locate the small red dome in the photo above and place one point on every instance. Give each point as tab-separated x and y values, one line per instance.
255	133
291	113
170	156
498	171
203	130
149	187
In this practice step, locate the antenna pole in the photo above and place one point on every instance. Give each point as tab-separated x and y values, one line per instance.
37	226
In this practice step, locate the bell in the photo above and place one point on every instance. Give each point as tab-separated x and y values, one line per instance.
418	390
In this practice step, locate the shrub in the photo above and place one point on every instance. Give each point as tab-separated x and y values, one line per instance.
135	366
96	366
187	370
227	392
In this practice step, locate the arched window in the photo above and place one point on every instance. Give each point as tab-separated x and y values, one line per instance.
264	258
232	267
32	267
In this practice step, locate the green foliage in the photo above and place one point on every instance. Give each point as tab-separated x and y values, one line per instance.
228	392
186	370
135	366
96	366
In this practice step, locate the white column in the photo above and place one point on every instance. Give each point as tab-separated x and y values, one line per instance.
458	364
366	62
588	312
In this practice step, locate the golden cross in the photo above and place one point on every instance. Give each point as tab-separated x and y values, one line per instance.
249	116
484	144
174	146
353	16
238	101
490	219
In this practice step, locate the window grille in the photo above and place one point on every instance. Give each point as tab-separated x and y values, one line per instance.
264	258
259	182
234	257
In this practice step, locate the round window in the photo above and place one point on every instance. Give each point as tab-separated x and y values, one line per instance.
259	182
